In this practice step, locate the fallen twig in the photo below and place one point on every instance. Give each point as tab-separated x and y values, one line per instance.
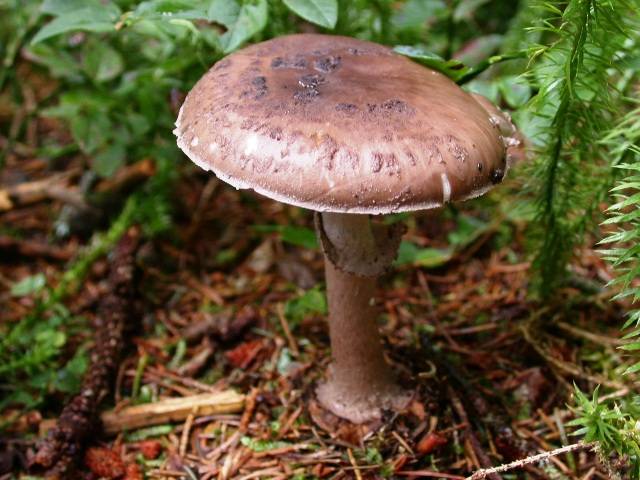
172	410
484	473
59	451
10	246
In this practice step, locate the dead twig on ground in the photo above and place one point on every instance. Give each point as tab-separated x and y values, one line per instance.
30	248
60	450
485	473
171	410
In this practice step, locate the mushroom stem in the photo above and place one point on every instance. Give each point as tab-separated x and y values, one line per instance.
360	382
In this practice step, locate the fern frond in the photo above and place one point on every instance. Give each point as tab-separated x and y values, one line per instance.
577	98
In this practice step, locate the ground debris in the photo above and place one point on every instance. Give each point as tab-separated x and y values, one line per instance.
58	453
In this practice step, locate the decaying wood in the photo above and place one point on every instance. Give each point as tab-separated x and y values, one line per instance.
172	410
65	442
53	187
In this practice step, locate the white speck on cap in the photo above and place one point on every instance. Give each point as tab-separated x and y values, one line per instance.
252	145
446	187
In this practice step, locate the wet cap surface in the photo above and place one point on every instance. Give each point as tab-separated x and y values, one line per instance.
338	124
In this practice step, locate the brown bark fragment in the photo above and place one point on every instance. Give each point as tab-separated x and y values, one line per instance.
59	452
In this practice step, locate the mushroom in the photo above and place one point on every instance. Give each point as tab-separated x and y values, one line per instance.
349	129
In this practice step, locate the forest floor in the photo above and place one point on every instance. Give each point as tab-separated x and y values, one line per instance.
228	300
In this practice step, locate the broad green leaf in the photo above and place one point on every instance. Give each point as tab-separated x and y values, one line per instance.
465	9
486	88
90	130
60	7
89	19
410	254
109	160
171	10
29	285
69	378
300	236
51	338
251	19
467	230
515	90
102	62
320	12
312	301
454	69
224	12
60	63
415	14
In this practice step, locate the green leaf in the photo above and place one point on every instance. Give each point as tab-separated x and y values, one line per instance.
320	12
416	14
102	62
262	445
29	285
410	254
171	10
468	229
100	18
224	12
90	130
300	236
312	301
515	90
632	369
251	19
465	9
454	69
69	378
60	7
148	432
60	63
109	160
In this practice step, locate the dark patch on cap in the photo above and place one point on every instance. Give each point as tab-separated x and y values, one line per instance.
393	106
276	134
456	149
289	62
328	64
350	158
412	157
258	88
346	107
434	152
387	161
311	80
496	175
328	151
396	106
378	162
309	83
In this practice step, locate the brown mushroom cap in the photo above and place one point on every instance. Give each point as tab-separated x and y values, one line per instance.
340	125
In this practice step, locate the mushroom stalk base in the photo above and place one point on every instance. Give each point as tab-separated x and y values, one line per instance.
360	384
